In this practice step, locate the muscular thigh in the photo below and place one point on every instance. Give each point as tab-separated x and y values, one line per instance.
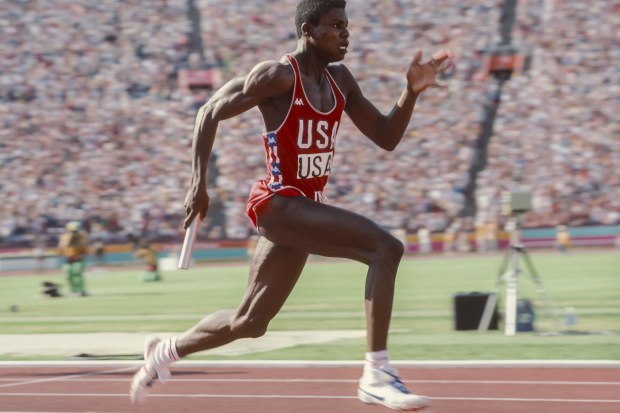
274	271
316	228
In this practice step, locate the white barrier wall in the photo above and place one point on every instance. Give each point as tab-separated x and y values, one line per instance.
29	263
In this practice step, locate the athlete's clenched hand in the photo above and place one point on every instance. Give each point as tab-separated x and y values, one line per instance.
196	204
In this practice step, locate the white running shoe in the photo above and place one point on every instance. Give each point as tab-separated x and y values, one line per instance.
383	386
145	377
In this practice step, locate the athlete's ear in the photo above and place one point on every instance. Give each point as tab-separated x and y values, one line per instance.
305	29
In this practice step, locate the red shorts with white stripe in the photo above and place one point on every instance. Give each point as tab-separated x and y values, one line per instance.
261	193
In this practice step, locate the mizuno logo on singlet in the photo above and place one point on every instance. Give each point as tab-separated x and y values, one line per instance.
299	102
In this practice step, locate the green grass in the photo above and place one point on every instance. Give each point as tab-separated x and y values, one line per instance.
330	296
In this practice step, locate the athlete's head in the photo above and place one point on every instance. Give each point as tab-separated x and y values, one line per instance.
310	11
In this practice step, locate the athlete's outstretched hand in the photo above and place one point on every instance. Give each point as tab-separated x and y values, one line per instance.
196	204
421	76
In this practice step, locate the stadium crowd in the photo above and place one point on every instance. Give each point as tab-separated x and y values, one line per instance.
96	128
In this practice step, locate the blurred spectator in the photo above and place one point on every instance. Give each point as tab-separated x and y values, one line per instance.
73	245
98	247
148	254
562	239
450	237
490	235
425	245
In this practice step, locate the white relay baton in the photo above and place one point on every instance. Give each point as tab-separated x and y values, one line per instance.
188	244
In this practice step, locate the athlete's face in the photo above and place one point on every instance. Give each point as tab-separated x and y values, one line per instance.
331	36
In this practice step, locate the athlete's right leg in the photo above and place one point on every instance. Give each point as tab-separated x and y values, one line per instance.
329	231
304	224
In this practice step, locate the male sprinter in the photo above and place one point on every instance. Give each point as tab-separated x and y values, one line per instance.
301	98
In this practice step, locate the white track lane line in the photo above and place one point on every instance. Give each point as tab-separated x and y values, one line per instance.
63	378
519	364
301	380
304	396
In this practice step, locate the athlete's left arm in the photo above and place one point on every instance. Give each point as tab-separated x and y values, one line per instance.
386	131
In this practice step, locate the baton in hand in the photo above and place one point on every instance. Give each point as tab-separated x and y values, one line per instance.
188	244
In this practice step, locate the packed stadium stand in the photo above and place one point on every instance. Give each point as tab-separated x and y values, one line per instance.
98	100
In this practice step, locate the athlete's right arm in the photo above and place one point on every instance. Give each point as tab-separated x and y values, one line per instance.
266	80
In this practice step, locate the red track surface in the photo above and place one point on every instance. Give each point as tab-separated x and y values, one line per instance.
80	388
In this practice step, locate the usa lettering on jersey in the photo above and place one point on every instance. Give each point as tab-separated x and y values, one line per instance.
316	136
314	165
321	134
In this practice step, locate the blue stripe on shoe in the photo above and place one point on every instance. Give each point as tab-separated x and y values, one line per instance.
396	382
372	395
400	386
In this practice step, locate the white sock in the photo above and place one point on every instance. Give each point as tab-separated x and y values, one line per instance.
376	359
165	353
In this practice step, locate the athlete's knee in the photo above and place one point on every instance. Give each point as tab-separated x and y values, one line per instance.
249	326
390	251
397	248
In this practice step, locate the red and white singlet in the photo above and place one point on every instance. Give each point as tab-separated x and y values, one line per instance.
300	152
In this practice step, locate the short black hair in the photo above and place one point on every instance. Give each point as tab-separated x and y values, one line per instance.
310	11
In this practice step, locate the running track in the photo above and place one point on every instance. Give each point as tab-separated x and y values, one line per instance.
306	387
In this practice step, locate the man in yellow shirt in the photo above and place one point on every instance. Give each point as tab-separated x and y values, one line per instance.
73	245
149	255
562	239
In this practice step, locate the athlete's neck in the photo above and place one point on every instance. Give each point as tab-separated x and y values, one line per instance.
310	64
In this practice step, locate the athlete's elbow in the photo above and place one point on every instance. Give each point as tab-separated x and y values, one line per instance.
209	112
389	144
204	110
390	147
382	141
386	139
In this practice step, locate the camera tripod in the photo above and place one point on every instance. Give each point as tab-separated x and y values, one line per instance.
509	273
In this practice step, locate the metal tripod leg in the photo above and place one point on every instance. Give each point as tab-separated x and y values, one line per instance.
512	278
510	271
540	288
485	320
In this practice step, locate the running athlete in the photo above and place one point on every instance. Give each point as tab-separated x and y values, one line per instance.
301	98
